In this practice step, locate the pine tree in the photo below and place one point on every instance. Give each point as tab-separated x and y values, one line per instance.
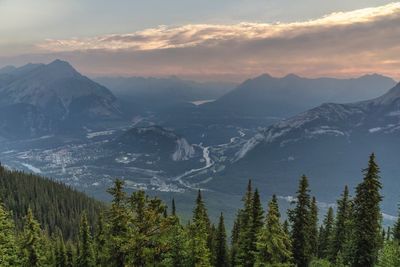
199	235
100	242
314	227
8	244
61	252
300	220
234	261
173	208
389	255
367	216
342	229
273	243
70	256
117	218
396	229
247	239
85	254
32	243
178	241
326	235
256	225
221	250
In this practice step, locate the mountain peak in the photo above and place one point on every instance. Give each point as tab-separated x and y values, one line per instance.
59	68
58	63
292	76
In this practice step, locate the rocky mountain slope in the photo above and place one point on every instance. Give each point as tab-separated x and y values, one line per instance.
51	98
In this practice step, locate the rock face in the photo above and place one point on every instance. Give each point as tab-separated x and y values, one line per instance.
155	140
330	143
51	98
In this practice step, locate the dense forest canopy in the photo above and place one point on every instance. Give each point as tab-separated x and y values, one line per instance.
139	230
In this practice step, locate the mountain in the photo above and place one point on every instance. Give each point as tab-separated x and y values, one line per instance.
51	98
154	149
149	94
330	143
282	97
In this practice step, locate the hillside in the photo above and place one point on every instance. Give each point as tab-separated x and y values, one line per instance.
54	204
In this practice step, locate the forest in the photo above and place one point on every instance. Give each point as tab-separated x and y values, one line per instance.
43	223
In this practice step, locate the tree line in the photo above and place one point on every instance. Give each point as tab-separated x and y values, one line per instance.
139	230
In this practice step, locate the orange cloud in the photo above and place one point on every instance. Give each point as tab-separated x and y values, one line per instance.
339	44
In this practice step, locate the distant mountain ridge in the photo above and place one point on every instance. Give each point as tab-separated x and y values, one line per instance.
282	97
46	98
328	143
150	93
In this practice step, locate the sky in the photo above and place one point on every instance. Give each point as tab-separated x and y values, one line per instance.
205	40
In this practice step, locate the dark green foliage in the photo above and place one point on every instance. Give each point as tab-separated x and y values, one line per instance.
389	255
273	243
250	219
221	249
8	244
314	227
367	217
342	232
300	220
53	204
199	231
137	231
396	230
100	242
85	246
117	217
61	252
32	243
324	246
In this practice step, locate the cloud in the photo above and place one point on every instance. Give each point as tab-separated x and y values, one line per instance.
339	44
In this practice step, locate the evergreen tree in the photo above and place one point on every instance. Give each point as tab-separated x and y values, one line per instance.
389	255
286	227
199	235
221	250
273	243
178	240
314	227
8	244
61	252
70	255
367	216
85	253
100	242
173	207
32	243
234	259
326	235
117	233
300	220
396	229
248	224
341	236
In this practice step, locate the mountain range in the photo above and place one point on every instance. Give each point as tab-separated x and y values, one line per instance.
150	134
282	97
330	143
152	94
